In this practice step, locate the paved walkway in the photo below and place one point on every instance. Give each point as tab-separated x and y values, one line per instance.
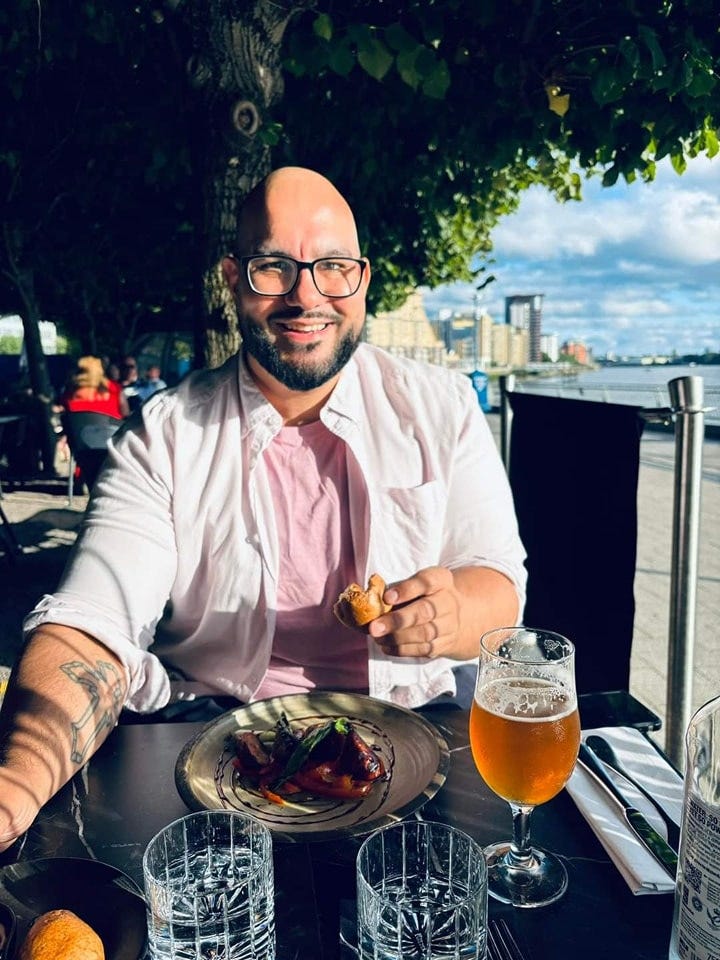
46	526
649	662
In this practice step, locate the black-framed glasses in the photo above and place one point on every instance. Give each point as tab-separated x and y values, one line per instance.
273	276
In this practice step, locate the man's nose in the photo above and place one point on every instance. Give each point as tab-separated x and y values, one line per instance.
305	293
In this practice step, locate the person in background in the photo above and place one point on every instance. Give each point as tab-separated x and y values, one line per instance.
89	389
129	383
112	371
151	383
237	506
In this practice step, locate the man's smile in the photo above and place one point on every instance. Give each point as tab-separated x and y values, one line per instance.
295	327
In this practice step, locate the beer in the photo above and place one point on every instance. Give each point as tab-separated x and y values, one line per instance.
524	735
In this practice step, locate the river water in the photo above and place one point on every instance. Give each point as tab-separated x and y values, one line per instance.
644	386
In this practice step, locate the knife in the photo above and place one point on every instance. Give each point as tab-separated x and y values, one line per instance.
604	751
646	833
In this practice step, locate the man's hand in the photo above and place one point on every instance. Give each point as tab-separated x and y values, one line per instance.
426	618
443	613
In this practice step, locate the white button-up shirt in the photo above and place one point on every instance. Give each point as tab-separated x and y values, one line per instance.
178	551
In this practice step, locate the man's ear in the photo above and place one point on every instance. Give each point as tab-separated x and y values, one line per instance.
231	272
367	273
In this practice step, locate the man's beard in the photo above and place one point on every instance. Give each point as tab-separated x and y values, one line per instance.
296	376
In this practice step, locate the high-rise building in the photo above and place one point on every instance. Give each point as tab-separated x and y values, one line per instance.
509	346
550	346
524	312
484	338
501	344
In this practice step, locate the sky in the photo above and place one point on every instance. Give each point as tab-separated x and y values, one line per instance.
631	269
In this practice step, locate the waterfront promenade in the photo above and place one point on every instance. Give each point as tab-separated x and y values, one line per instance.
46	527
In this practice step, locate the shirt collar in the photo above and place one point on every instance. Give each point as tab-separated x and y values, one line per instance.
258	413
345	401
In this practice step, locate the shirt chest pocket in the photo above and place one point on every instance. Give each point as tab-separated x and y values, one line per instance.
407	528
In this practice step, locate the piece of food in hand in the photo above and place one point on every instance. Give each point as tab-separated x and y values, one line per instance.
356	607
61	935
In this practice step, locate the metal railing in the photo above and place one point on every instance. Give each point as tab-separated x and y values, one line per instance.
686	402
687	411
650	395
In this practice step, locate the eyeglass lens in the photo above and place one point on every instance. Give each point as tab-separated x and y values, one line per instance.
276	276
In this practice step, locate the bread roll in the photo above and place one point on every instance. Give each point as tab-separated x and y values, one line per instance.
61	935
356	607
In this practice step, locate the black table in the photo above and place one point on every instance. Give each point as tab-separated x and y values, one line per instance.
111	809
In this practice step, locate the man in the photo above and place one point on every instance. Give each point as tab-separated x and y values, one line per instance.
150	383
236	508
129	381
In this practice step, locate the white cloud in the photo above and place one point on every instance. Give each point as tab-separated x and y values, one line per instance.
612	306
544	229
687	228
633	267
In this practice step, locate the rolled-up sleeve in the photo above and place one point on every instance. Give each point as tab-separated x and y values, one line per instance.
480	524
119	578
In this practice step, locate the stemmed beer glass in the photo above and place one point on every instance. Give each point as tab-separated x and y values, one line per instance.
525	736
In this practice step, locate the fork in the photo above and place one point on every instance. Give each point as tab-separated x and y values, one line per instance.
501	943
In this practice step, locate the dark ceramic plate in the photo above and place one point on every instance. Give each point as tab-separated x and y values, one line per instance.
412	750
99	894
8	924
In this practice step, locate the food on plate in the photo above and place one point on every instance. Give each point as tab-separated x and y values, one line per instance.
327	759
356	607
61	935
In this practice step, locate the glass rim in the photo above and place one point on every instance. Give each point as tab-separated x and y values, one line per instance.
424	826
567	645
257	828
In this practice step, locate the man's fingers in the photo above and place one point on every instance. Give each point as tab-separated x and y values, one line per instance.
416	614
425	616
428	639
423	583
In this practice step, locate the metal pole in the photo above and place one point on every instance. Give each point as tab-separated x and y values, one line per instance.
507	385
686	400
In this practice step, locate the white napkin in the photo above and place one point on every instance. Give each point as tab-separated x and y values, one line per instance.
642	873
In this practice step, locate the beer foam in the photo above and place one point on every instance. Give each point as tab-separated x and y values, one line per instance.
527	698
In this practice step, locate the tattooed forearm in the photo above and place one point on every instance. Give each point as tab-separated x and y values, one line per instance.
102	683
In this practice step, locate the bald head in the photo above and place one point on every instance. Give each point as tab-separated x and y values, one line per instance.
304	195
297	342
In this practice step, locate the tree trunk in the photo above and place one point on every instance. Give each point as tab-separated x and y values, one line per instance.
236	76
42	391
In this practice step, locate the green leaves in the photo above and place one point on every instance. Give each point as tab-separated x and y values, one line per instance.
648	36
308	743
437	80
322	27
421	69
372	54
376	50
432	116
709	142
678	161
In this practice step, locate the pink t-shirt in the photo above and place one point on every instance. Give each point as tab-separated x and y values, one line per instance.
307	472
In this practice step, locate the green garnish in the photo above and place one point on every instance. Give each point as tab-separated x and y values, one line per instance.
306	746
